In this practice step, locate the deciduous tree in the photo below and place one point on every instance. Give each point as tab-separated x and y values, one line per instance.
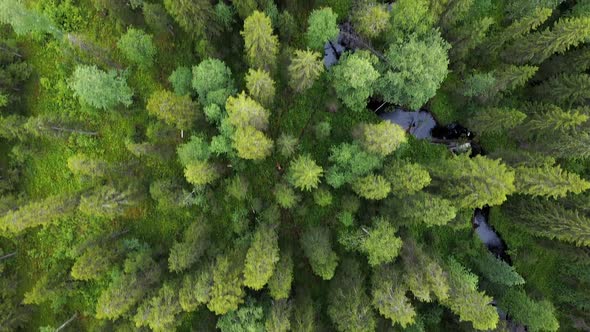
354	78
173	109
321	28
138	47
251	143
100	89
382	138
213	81
260	86
262	257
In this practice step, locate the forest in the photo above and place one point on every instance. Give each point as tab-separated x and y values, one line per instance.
283	165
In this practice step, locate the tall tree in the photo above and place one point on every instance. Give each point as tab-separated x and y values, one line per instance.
194	16
201	172
160	311
138	47
519	27
108	202
213	81
260	86
243	111
227	292
100	89
354	78
389	296
372	186
184	254
305	68
372	19
279	284
195	289
536	315
24	20
279	317
321	28
548	181
304	173
317	247
251	143
566	89
350	162
382	138
94	263
380	243
406	178
493	120
173	109
262	257
260	44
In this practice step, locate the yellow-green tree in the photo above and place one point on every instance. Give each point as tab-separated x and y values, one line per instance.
260	44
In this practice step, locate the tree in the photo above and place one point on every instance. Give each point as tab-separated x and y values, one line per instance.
196	149
321	28
371	19
156	16
406	178
382	138
572	62
100	89
409	17
173	109
285	195
201	173
260	44
93	263
305	68
262	257
322	197
381	245
350	162
137	47
354	78
12	127
196	239
520	27
224	15
25	21
248	317
427	209
317	247
414	70
38	213
195	17
548	181
279	283
495	120
251	144
181	79
213	81
244	8
423	274
243	111
108	202
372	186
196	288
287	144
497	270
278	318
474	182
535	315
349	306
128	287
389	296
566	89
304	173
82	165
537	47
260	86
160	311
487	86
227	292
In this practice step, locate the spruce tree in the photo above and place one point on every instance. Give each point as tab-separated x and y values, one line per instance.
93	263
262	257
160	311
406	178
305	68
493	120
260	44
389	296
548	181
372	186
213	82
195	289
260	86
38	213
565	89
279	317
317	247
304	173
184	254
519	28
227	291
381	245
201	172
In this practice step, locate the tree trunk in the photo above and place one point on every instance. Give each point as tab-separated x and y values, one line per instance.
67	322
7	256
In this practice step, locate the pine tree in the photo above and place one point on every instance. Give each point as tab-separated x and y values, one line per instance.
243	111
493	120
548	181
213	82
262	257
382	138
260	86
305	68
248	317
304	173
195	17
537	47
406	178
279	284
354	78
227	292
100	89
371	19
279	317
108	202
38	213
519	28
381	245
138	47
566	89
196	288
201	173
389	296
93	263
321	28
184	254
285	195
251	144
260	44
536	315
349	306
427	209
372	186
160	311
317	247
179	111
304	313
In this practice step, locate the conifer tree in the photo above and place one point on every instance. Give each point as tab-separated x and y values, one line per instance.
285	195
304	313
108	202
279	317
304	173
317	247
350	162
184	254
160	311
519	27
201	173
382	138
173	109
194	150
349	306
427	209
493	120
372	186
553	119
548	181
537	47
213	82
354	78
566	89
409	17
321	28
423	274
260	44
181	79
227	291
25	21
93	263
536	315
260	86
279	284
572	62
251	144
287	144
371	19
243	111
322	197
196	288
38	213
406	178
497	270
389	296
381	245
305	68
262	257
195	17
12	127
82	165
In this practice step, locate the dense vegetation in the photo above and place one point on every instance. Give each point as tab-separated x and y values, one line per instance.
192	165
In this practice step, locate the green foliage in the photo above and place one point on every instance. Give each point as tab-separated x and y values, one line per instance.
279	284
201	172
285	196
305	68
191	15
213	81
406	178
372	19
108	202
279	317
322	197
160	311
260	86
194	150
321	28
262	257
195	289
536	315
317	247
260	44
548	181
251	144
409	17
24	20
38	213
287	144
498	271
354	78
173	109
93	263
304	173
495	120
350	162
566	89
181	79
243	111
186	253
137	47
427	209
227	292
372	186
389	297
248	317
100	89
224	15
414	70
381	245
382	138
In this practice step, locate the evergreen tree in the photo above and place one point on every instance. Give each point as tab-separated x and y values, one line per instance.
349	306
195	149
201	173
548	181
244	8
196	239
108	202
537	47
196	288
260	86
372	187
173	109
156	17
160	311
285	195
321	28
565	89
427	209
227	291
304	313
262	257
82	165
249	317
260	44
322	197
498	271
38	213
251	144
354	78
572	62
536	315
279	284
382	138
195	17
12	127
414	70
137	47
409	17
279	317
243	111
287	144
423	274
305	68
100	89
495	120
213	81
389	296
181	79
406	178
350	162
93	263
304	173
381	245
317	247
371	19
519	27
